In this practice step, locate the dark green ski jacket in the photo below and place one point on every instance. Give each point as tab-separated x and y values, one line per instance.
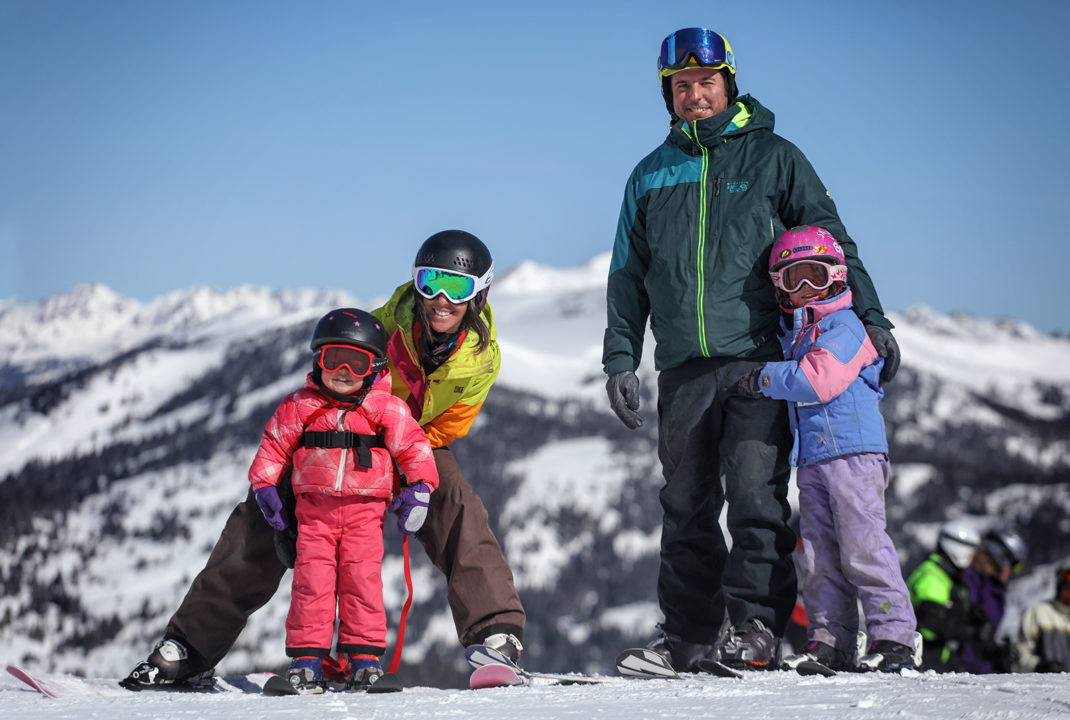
699	216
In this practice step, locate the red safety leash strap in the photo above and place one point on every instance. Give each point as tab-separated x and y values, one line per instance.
405	609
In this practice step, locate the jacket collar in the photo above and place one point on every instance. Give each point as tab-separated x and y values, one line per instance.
817	311
746	115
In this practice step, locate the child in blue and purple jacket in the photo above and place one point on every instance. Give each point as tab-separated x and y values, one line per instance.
831	379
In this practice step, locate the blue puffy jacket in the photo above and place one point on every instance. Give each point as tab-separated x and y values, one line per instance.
832	378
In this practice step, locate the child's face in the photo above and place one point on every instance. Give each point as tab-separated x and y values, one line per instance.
806	295
342	381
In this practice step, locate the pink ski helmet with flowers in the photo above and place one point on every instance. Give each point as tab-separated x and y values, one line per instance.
806	244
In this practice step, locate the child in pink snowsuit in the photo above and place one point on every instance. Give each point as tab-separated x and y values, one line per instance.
341	434
831	378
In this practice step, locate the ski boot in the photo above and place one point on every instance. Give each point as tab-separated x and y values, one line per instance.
168	668
306	675
822	654
750	646
682	655
505	643
364	671
890	656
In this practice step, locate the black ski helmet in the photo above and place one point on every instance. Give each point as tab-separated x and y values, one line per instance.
350	326
458	251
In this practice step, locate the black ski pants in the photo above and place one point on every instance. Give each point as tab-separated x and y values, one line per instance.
243	572
706	433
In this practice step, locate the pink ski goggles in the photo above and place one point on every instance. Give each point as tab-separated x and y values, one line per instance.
818	275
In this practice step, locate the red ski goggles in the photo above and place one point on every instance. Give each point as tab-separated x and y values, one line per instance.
358	361
707	47
457	287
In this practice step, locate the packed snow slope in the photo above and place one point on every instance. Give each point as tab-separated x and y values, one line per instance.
773	695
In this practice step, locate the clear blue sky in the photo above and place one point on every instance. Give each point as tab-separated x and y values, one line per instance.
154	145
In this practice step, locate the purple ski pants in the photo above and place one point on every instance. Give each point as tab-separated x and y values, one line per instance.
847	556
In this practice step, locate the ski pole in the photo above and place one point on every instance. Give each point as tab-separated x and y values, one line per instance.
405	609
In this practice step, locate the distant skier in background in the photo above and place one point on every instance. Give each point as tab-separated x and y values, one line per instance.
444	358
338	438
1043	643
959	610
937	591
831	378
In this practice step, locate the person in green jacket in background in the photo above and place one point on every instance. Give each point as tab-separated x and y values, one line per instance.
699	216
939	594
960	599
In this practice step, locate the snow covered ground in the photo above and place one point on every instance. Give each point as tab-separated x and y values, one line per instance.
776	695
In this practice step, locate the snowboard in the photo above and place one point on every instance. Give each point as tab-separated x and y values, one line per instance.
69	686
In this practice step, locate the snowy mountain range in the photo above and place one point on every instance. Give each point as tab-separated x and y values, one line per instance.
127	428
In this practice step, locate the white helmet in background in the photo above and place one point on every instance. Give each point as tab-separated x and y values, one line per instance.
959	540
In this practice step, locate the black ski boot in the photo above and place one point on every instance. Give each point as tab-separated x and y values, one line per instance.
750	646
168	668
890	656
682	655
820	654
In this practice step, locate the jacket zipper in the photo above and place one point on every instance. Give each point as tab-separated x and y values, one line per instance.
700	295
342	462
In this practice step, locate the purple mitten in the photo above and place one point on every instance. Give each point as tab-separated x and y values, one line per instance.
270	504
411	507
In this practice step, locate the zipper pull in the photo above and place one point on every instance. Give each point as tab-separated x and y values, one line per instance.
717	187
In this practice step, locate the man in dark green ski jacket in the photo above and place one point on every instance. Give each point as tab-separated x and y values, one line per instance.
691	254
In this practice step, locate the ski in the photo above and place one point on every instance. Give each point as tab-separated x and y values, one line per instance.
645	663
68	686
812	667
486	660
494	675
718	668
277	686
33	682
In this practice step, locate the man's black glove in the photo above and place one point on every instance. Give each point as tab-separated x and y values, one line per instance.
887	348
623	390
749	382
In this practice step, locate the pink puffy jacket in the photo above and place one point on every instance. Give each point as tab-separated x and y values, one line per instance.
336	470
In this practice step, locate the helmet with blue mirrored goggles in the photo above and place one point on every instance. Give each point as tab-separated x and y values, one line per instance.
705	47
457	287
